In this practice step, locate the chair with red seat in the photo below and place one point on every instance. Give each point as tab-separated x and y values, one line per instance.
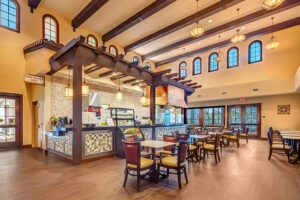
168	149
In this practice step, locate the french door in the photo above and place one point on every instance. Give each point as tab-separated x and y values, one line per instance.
10	121
243	116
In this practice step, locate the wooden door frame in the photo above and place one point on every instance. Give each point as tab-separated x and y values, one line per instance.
19	109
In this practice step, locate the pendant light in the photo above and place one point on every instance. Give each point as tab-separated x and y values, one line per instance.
198	30
119	95
143	98
85	87
271	4
68	89
273	42
238	36
220	57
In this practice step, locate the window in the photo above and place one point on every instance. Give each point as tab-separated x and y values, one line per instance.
147	66
213	64
197	66
206	116
10	15
255	52
113	50
233	57
50	28
92	40
135	59
193	116
182	69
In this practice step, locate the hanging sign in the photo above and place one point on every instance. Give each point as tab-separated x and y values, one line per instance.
34	79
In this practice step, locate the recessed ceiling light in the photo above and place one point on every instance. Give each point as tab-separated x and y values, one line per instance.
244	27
199	43
210	21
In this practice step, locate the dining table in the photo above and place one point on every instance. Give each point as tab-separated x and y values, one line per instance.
292	137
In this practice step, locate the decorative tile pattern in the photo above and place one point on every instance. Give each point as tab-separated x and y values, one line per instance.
59	145
50	142
147	133
160	131
68	143
97	142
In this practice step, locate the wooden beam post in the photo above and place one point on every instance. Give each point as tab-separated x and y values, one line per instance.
152	108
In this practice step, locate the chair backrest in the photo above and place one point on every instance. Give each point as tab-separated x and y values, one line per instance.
182	137
168	138
247	130
217	140
270	139
182	149
236	131
132	152
130	138
175	133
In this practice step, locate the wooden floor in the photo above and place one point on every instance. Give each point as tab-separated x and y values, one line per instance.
243	173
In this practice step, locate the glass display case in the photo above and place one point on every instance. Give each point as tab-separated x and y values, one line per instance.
123	116
166	116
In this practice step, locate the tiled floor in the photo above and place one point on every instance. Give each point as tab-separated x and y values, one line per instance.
242	174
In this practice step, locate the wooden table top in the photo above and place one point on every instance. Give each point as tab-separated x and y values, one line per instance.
156	144
199	136
291	137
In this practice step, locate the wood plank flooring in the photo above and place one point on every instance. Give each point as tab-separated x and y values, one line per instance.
242	174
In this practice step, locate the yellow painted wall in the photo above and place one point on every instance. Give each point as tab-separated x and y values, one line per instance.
268	110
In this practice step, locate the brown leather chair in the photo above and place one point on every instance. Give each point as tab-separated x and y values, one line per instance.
192	150
235	137
278	147
136	163
168	149
175	161
207	147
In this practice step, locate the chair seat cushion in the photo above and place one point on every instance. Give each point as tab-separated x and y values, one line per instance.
280	146
233	137
145	163
157	154
192	147
243	134
170	161
209	147
200	144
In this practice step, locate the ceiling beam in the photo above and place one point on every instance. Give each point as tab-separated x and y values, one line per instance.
33	4
87	12
93	69
166	71
184	82
130	81
206	12
138	83
277	27
191	84
171	75
108	73
118	77
224	27
137	18
196	87
178	78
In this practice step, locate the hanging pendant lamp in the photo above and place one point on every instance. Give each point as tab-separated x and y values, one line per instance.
238	36
198	30
68	89
220	57
143	98
119	95
273	42
85	87
271	4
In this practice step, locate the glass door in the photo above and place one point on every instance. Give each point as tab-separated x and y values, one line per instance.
9	122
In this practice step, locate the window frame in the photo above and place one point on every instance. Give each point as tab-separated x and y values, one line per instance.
202	113
113	46
18	13
57	27
182	69
195	66
249	49
209	57
238	57
96	41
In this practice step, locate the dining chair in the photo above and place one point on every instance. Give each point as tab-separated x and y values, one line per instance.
136	163
175	161
168	149
192	149
278	147
245	134
207	147
235	137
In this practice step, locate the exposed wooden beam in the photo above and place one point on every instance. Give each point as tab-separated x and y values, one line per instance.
171	75
277	27
206	12
196	87
191	84
137	18
33	4
184	82
224	27
118	77
93	69
178	78
138	83
108	73
130	81
87	12
166	71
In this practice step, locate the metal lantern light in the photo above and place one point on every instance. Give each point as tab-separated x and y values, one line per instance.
220	57
119	94
85	87
143	98
198	30
68	89
273	42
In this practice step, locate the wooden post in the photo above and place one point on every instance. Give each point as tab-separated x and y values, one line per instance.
152	109
77	114
185	109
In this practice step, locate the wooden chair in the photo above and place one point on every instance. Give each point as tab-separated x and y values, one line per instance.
235	137
207	147
245	134
168	149
175	161
136	163
278	147
192	150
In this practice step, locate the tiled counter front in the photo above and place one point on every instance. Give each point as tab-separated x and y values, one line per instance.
60	145
97	142
147	133
160	131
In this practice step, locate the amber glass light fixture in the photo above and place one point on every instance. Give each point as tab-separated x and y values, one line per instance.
198	30
68	89
238	36
271	4
220	57
119	94
273	42
85	87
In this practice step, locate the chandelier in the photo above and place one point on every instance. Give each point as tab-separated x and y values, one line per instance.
271	4
273	42
238	36
68	89
198	30
220	57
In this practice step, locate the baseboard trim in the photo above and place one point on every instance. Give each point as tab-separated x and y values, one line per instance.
97	158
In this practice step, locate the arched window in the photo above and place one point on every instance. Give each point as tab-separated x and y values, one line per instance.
113	50
135	59
182	69
92	40
233	57
213	64
147	66
255	52
50	28
10	15
197	66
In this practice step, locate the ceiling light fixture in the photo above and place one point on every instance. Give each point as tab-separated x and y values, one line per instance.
119	94
271	4
85	87
68	89
198	30
273	42
210	21
220	57
238	36
143	98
